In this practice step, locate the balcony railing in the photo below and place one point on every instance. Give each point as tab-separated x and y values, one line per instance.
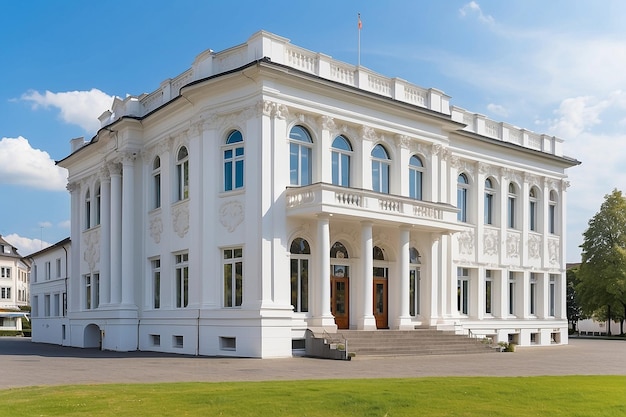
327	198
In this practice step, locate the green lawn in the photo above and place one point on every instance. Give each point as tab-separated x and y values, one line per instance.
519	396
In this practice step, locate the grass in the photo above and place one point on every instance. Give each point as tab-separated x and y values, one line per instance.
481	396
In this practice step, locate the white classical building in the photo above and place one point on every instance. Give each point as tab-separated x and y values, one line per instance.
269	190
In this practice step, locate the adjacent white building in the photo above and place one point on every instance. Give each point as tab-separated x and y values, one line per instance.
49	287
13	287
269	190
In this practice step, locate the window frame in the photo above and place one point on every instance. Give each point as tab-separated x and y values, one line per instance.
182	174
341	174
156	182
181	279
381	169
511	206
300	294
416	178
300	141
462	192
232	259
463	291
234	147
533	202
489	203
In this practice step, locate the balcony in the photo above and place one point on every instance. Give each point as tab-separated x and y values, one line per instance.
357	204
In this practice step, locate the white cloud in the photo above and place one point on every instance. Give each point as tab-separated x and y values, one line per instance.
498	110
22	165
80	108
473	8
24	245
65	224
578	114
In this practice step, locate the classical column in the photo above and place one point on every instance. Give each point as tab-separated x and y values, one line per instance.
116	233
404	320
322	316
74	287
128	223
367	321
105	237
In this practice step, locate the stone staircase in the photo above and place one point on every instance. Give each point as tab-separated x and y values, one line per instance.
410	342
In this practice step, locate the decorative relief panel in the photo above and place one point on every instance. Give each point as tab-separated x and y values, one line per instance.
512	245
231	215
180	219
534	246
369	134
92	248
491	242
553	252
156	228
466	242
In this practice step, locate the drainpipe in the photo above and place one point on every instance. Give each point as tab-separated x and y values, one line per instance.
198	334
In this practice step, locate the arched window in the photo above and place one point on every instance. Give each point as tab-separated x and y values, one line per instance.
532	209
156	183
98	205
552	212
461	197
300	156
87	210
414	282
341	152
512	201
182	173
416	172
233	161
339	251
489	201
380	169
300	257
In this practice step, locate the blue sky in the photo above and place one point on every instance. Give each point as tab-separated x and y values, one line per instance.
555	67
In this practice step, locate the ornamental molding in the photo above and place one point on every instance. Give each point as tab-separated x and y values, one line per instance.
156	228
534	246
491	240
512	245
155	150
466	242
511	176
554	251
305	120
180	219
328	123
231	215
368	133
103	174
91	255
72	186
403	141
114	168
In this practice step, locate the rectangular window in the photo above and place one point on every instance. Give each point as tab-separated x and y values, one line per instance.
96	290
551	218
488	208
233	277
48	271
87	283
35	273
533	216
463	290
488	291
462	204
182	280
511	220
533	294
46	305
156	283
300	285
552	295
511	293
178	341
414	292
157	191
58	267
57	305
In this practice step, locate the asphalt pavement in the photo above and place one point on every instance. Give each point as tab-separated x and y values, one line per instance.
24	364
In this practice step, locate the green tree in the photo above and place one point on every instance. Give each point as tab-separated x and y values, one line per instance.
574	311
602	273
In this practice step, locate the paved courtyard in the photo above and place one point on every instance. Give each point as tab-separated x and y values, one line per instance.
24	363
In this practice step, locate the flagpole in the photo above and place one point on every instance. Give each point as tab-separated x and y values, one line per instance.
359	42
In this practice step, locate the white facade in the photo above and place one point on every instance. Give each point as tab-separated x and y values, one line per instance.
219	214
48	287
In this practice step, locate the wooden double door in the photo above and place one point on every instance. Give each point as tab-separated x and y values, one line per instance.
340	301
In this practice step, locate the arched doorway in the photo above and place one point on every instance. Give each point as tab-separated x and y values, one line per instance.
340	285
92	337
